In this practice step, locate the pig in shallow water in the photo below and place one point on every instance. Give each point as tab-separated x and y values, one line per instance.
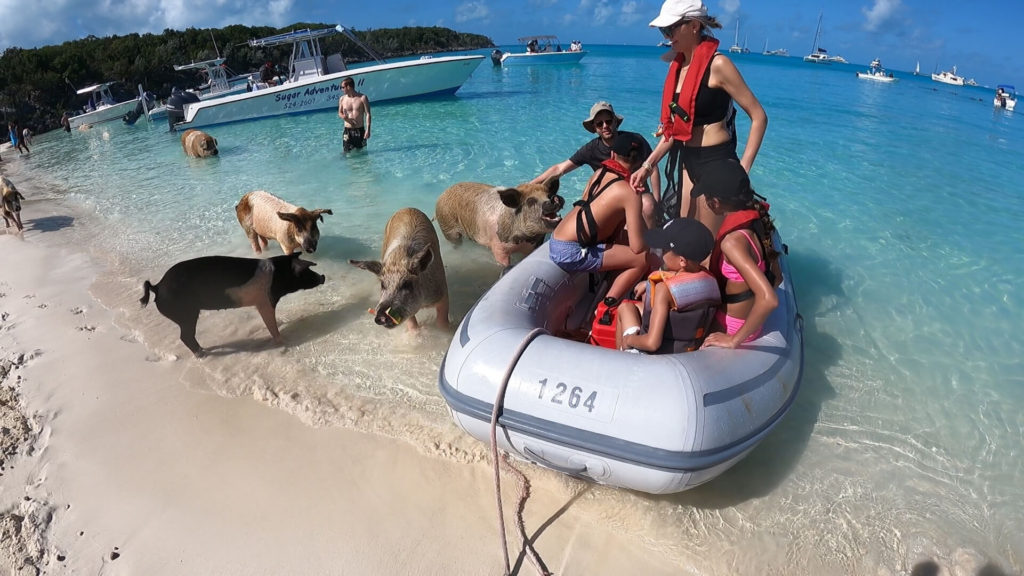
410	270
220	282
263	215
198	144
506	220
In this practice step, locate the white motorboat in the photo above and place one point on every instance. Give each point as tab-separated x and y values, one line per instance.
217	84
1006	97
101	107
314	81
543	50
837	59
818	54
877	73
949	77
658	423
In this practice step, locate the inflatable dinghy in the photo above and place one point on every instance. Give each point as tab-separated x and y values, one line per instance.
654	423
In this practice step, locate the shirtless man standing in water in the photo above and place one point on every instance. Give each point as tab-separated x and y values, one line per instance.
354	109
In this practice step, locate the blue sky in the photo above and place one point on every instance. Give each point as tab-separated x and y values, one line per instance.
977	37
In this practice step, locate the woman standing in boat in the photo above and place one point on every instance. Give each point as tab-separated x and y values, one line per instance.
697	114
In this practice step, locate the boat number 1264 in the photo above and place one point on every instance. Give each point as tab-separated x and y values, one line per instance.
561	394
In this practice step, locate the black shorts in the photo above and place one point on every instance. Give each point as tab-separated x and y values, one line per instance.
353	138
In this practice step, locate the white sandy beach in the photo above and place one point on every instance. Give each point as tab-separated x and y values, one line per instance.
112	464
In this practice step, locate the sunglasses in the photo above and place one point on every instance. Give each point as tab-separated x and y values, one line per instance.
603	123
668	31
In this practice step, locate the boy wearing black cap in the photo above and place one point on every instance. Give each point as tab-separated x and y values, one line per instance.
681	297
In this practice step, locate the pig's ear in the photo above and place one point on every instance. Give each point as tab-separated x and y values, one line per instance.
552	184
319	212
290	217
421	260
511	197
299	265
368	265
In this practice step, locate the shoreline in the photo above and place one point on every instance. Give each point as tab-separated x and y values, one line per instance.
122	461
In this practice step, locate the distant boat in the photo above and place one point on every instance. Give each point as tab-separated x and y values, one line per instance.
101	107
917	69
838	59
877	73
1006	97
970	82
736	48
818	54
543	50
949	77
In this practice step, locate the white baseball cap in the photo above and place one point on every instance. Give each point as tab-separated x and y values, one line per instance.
673	11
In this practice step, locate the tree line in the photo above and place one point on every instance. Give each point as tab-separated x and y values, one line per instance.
38	85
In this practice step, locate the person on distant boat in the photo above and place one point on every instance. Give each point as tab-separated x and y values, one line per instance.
697	113
744	258
531	46
354	109
680	299
604	122
267	72
586	239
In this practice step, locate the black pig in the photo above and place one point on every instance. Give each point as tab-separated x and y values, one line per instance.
220	282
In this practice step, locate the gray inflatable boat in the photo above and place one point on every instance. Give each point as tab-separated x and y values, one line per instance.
654	423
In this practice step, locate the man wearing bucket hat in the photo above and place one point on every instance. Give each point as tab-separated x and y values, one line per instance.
604	122
697	113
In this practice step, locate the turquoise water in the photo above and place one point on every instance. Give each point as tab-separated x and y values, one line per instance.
899	203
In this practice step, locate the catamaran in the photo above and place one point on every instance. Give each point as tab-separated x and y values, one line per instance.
313	81
818	54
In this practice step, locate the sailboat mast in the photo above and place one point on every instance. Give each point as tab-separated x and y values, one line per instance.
817	33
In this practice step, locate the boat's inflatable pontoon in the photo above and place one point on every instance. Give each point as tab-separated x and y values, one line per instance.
654	423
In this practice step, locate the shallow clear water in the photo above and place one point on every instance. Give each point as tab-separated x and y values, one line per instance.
900	206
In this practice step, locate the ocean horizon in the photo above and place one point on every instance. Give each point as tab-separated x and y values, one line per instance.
903	444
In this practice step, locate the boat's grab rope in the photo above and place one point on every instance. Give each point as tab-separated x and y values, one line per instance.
524	483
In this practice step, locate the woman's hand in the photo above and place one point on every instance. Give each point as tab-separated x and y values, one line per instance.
718	340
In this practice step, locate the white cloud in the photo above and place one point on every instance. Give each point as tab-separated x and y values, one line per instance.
468	11
29	24
730	8
882	11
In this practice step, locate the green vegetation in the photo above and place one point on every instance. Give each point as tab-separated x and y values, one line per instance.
38	85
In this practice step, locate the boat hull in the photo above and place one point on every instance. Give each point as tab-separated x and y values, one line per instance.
655	423
948	79
531	59
876	77
415	78
105	114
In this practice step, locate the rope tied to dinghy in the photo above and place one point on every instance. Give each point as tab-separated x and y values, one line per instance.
524	484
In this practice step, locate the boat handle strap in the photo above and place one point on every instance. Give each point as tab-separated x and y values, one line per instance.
573	470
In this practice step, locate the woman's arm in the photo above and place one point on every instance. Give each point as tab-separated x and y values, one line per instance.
651	164
736	249
730	79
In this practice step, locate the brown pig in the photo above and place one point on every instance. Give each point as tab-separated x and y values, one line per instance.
198	144
506	220
410	270
263	215
10	203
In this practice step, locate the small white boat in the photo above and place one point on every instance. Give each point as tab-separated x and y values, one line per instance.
736	48
101	107
837	59
877	73
314	81
949	77
917	69
217	84
1006	97
543	50
659	423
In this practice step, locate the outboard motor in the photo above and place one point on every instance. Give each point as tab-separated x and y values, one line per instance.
496	57
176	106
133	115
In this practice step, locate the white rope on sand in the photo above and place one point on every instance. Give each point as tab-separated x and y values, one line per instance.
524	483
